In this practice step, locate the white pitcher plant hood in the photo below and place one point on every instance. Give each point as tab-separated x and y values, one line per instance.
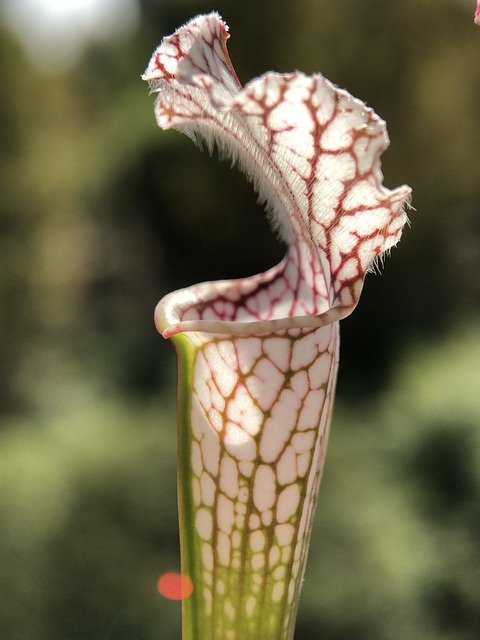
258	356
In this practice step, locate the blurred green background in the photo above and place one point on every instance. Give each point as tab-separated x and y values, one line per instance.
101	214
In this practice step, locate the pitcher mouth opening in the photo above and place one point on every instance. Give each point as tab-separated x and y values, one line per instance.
256	306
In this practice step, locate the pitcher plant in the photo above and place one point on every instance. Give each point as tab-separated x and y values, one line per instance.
258	356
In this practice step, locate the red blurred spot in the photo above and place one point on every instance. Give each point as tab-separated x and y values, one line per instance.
175	586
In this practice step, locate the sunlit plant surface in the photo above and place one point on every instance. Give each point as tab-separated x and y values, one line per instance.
258	356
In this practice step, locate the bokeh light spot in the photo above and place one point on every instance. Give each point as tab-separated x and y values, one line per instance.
175	586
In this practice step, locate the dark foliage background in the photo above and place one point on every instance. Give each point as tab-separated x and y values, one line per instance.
101	214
